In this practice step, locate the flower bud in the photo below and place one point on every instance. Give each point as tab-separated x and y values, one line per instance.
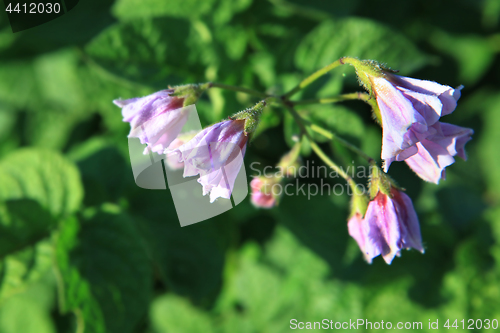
262	192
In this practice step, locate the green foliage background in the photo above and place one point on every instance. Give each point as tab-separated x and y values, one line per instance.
83	248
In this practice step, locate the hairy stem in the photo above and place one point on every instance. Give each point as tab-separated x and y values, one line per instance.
345	97
313	77
239	89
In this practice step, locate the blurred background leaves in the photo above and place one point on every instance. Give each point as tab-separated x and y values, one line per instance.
83	249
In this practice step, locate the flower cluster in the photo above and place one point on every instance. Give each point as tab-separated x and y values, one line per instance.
409	111
215	153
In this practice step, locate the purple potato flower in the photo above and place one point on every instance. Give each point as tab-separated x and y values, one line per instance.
156	119
172	155
390	224
436	152
410	110
216	154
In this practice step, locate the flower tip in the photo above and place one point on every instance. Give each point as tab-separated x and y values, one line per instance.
389	257
119	102
368	258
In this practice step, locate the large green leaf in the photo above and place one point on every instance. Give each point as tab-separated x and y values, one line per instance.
43	176
104	271
221	10
127	9
147	49
38	189
357	37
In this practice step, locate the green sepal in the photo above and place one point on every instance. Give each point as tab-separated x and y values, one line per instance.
359	204
190	92
379	182
366	69
251	116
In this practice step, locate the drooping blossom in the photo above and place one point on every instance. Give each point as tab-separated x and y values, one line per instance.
390	224
408	108
172	154
156	119
216	154
393	225
262	194
436	152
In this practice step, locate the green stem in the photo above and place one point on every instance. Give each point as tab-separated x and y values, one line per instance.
345	97
321	154
319	151
345	143
313	77
239	89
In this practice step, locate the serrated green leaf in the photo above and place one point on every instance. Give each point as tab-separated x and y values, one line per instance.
357	37
44	176
146	49
104	271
